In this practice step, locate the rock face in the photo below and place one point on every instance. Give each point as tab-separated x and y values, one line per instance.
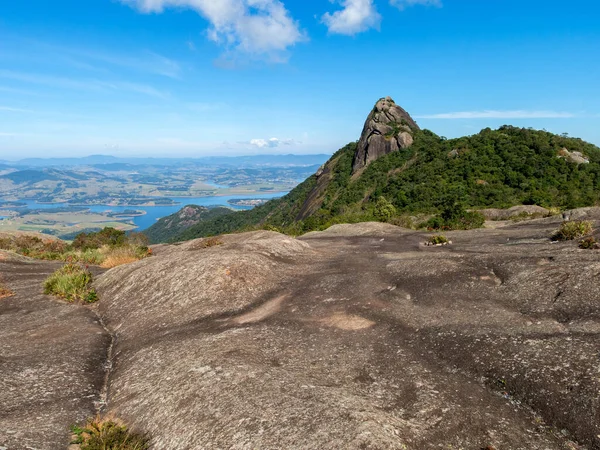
360	337
357	337
522	211
388	129
52	357
573	157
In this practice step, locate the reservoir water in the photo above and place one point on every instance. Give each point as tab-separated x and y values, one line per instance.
153	213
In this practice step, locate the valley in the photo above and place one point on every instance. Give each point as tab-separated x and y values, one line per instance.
64	197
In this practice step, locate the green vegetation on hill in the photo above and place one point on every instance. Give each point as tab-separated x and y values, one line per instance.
494	168
187	217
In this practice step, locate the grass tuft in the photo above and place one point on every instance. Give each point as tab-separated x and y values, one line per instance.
589	244
438	239
570	230
108	434
71	282
209	242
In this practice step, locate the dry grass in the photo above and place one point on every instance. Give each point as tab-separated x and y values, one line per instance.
108	433
119	256
207	243
107	248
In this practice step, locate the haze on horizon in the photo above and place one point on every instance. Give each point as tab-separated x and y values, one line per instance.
181	78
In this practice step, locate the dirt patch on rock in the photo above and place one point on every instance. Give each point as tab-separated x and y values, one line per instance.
347	322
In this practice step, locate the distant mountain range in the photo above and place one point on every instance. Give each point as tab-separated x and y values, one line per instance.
104	161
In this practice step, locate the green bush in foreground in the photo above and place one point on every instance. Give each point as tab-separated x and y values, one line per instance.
71	282
108	434
438	239
571	230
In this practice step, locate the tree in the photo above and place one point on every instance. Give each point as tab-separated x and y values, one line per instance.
384	210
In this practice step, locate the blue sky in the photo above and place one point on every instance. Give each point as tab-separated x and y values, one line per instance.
228	77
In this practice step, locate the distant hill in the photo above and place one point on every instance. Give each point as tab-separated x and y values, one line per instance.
30	176
185	218
116	163
415	171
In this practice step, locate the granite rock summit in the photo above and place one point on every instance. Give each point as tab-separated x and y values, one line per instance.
388	128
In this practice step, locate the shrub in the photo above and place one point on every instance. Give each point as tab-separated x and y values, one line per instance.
108	248
108	236
108	434
71	282
589	244
454	216
438	239
468	220
570	230
384	210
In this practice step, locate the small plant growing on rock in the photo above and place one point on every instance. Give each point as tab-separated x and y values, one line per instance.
4	291
589	244
209	242
108	434
570	230
71	282
438	239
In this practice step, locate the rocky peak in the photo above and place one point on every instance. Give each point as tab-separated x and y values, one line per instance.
388	129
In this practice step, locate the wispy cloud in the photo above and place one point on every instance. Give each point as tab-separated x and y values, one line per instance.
82	84
402	4
253	27
493	114
271	143
355	17
147	61
16	110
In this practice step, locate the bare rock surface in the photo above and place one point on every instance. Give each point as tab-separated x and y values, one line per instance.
52	357
360	337
388	129
573	157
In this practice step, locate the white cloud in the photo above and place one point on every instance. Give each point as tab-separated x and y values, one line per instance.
402	4
271	143
357	16
254	27
83	84
491	114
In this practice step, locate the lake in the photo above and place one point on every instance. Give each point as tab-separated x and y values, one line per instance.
153	213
